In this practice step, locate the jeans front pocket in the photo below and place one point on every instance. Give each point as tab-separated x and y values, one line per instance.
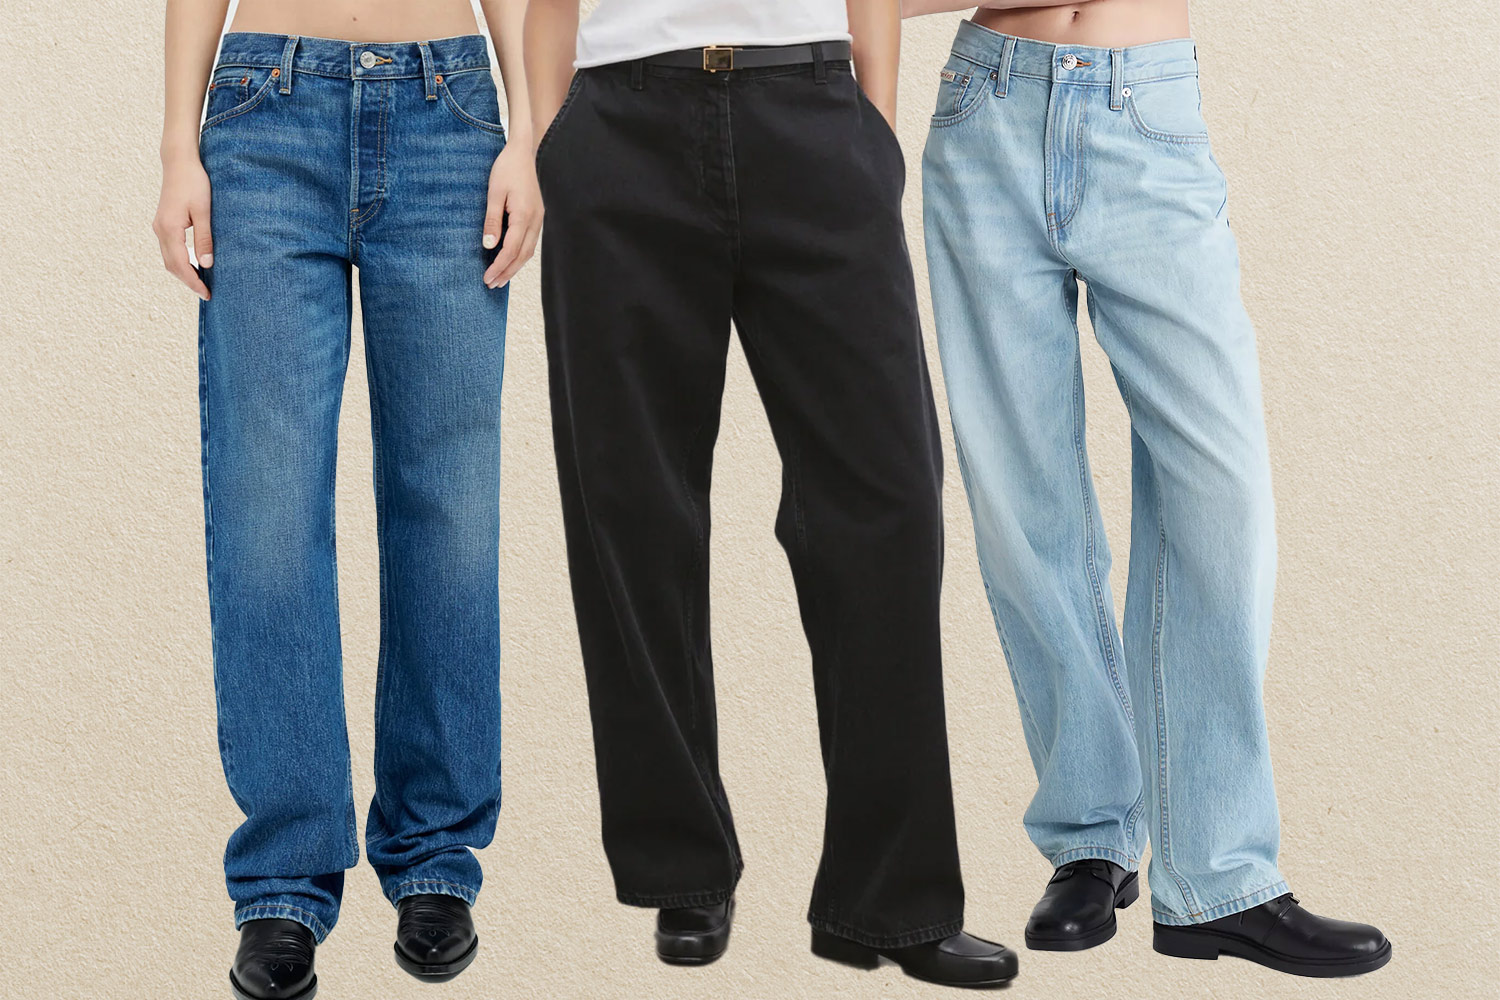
236	90
562	111
1167	110
962	83
473	99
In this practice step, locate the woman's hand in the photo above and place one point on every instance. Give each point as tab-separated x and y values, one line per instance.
184	203
515	197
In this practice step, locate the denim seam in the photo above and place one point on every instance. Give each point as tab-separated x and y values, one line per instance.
1158	616
1105	84
904	939
330	74
1131	863
382	507
378	199
1103	617
493	128
240	109
1218	910
1080	155
1027	718
271	911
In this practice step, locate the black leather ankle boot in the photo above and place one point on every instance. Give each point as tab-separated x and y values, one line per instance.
274	961
435	937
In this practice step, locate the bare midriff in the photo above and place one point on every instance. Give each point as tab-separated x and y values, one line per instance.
1107	24
358	20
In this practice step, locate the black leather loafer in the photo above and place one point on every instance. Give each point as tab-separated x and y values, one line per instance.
1078	909
960	960
1281	935
274	962
435	937
694	935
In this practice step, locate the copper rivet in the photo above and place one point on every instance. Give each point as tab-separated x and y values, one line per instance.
439	78
276	71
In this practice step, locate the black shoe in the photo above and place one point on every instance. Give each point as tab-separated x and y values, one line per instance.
435	937
1078	909
959	960
274	961
693	935
1281	935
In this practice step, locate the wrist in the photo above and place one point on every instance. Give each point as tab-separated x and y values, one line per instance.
178	148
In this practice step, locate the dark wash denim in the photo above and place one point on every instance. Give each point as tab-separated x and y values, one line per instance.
323	157
679	201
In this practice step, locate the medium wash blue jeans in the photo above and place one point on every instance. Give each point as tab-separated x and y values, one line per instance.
326	156
1046	164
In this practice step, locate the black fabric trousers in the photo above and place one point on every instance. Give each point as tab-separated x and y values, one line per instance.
679	201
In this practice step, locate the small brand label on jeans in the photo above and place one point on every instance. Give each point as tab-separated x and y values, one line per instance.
948	75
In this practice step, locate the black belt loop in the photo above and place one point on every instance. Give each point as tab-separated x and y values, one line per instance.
820	68
638	75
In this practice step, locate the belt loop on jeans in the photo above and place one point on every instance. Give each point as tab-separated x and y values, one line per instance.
820	68
1002	75
1116	79
638	75
429	78
287	52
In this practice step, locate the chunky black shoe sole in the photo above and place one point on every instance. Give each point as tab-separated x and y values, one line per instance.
852	953
1129	892
1199	942
675	959
240	994
438	973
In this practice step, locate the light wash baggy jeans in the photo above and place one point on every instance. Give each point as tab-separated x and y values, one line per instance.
1047	164
325	156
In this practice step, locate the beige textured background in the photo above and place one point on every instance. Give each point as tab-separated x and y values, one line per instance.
1361	144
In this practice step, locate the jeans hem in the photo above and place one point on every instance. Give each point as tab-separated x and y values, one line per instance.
900	939
1121	858
675	900
281	911
430	887
1245	902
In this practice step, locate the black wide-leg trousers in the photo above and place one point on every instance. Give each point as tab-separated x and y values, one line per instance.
679	201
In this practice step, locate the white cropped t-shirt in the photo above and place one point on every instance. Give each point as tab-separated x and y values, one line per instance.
619	30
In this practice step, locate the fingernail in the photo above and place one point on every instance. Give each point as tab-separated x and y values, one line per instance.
203	297
207	260
490	239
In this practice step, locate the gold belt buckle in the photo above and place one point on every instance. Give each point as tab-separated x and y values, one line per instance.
717	57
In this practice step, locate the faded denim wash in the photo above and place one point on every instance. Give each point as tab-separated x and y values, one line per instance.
1045	165
326	156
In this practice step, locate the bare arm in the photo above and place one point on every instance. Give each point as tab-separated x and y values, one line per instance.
551	41
514	199
914	8
192	34
875	26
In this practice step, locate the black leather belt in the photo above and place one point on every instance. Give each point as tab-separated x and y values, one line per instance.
721	58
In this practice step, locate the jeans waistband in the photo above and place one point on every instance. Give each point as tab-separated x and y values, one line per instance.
1086	65
295	54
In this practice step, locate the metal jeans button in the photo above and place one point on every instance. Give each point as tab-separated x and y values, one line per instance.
1070	61
367	59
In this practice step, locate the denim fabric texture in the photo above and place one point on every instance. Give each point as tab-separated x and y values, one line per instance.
1047	164
325	157
678	202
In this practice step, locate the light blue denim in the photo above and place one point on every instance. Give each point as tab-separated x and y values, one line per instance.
326	156
1047	164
